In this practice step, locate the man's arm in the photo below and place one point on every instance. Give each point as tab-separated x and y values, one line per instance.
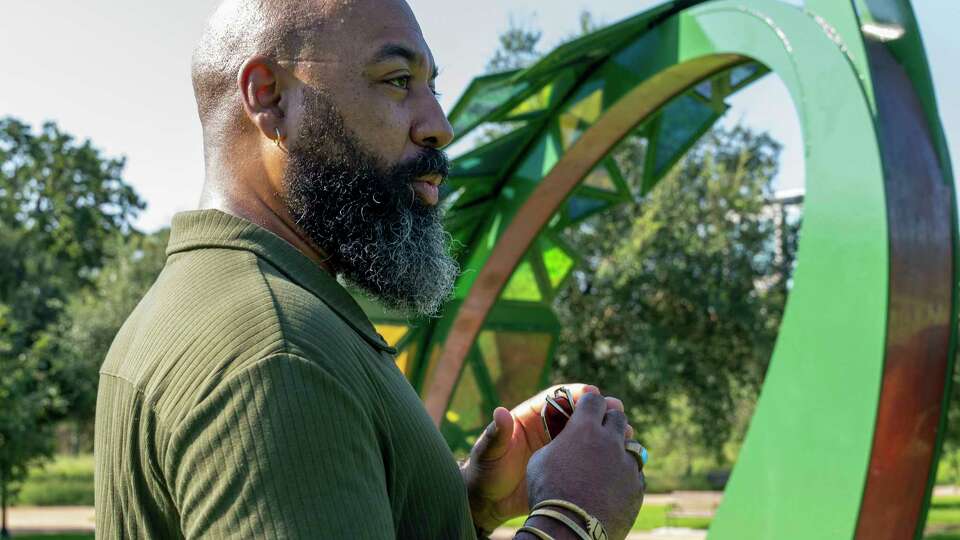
280	450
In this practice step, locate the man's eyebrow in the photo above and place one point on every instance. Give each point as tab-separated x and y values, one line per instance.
396	50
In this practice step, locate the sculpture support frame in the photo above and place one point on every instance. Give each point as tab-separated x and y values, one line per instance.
844	439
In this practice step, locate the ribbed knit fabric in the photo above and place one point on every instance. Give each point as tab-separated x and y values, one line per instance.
248	396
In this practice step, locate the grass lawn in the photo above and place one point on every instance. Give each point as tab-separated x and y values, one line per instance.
944	514
68	481
651	517
944	519
65	481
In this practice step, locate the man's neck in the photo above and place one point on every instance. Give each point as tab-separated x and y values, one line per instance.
259	212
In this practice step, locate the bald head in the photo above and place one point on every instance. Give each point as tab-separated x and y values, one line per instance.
240	29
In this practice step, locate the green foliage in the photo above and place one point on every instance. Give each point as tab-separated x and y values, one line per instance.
61	205
65	481
949	466
652	516
684	290
82	335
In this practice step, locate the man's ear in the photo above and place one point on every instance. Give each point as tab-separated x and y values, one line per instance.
260	85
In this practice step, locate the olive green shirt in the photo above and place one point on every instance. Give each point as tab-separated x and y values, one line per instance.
248	396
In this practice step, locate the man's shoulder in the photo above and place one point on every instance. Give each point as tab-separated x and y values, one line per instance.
214	312
205	305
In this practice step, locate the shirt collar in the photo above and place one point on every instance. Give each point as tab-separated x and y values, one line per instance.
199	229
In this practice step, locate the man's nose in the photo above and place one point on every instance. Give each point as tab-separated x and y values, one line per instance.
432	129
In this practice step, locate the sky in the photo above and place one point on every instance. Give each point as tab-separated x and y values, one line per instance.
118	72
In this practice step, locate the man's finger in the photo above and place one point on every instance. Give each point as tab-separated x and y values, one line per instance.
614	404
590	408
627	435
495	440
615	421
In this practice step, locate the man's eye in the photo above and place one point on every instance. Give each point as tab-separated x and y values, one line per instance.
400	82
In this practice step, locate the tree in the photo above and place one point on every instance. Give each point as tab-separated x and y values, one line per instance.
518	48
91	318
61	204
685	290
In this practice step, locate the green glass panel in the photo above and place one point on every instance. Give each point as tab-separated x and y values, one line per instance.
594	46
523	285
482	98
579	207
742	73
679	125
540	160
635	57
556	261
490	159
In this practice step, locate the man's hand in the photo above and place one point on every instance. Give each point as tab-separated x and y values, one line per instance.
495	473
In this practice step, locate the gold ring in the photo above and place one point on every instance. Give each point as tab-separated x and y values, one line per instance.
638	452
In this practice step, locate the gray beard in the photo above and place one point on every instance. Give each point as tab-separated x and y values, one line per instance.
378	235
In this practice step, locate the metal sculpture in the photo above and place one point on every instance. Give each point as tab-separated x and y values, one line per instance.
844	441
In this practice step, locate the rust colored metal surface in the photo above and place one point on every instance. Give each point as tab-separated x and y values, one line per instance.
592	146
919	204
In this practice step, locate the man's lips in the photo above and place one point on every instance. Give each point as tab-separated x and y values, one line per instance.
428	188
434	179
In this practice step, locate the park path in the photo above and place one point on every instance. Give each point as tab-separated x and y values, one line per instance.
64	519
80	519
50	519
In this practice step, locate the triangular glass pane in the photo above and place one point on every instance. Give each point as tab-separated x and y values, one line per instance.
742	73
523	285
491	158
391	333
600	178
578	207
556	261
682	122
484	96
540	160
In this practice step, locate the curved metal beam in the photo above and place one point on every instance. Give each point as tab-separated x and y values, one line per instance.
543	203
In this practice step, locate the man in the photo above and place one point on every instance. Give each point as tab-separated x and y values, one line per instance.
248	396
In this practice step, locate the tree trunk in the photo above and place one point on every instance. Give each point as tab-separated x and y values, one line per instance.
77	430
4	533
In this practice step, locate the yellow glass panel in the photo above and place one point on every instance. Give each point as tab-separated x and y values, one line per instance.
401	361
391	332
536	102
589	108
